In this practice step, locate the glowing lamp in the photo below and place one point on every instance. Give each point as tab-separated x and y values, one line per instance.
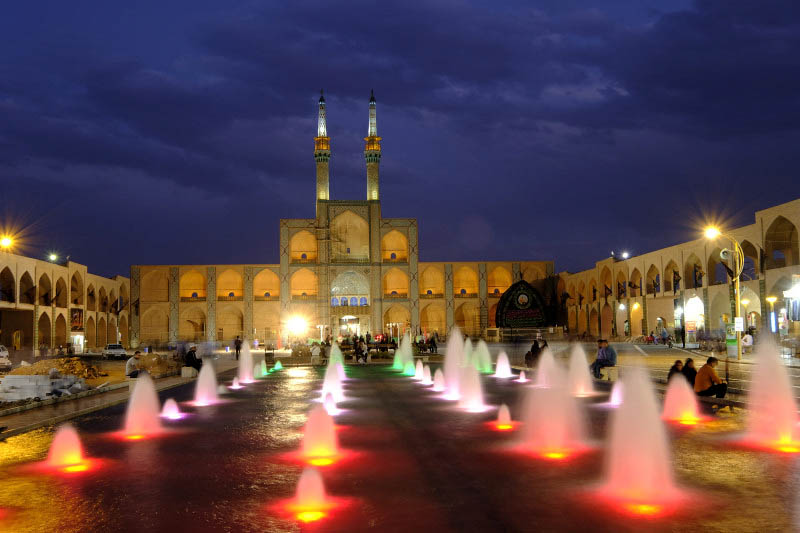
625	255
636	306
6	242
297	325
645	509
621	307
745	301
772	299
310	516
53	257
712	232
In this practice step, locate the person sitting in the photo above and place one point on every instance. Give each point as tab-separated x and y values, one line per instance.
132	366
707	382
606	356
676	368
747	342
689	371
529	359
192	360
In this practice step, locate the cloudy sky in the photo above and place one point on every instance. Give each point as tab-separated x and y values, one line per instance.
181	131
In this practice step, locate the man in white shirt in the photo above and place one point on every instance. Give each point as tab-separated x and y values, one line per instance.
132	366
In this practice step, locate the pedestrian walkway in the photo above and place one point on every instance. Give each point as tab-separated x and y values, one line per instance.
47	415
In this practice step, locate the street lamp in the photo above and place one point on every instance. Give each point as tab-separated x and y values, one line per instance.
712	233
772	300
53	258
6	242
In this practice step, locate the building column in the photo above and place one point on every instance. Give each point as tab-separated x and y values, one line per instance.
483	297
645	331
174	299
248	332
762	296
134	314
448	297
211	304
516	272
286	297
413	274
36	321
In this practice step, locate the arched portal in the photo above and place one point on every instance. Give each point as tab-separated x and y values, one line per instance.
27	291
593	323
606	321
432	319
266	285
303	284
192	326
695	318
348	285
155	327
395	283
102	331
61	331
468	318
465	282
394	247
230	285
91	333
431	282
91	298
499	280
303	247
7	286
123	331
192	285
44	326
155	286
780	244
76	289
349	237
396	320
230	322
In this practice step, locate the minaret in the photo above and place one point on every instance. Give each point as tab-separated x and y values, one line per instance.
322	152
372	151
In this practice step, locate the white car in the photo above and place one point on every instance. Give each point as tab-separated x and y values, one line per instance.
5	362
112	351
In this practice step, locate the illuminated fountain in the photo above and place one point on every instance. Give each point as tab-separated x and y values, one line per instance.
66	451
548	374
336	359
438	381
418	371
639	471
171	410
466	355
471	391
503	422
426	376
453	361
320	446
404	357
235	385
481	358
772	411
680	402
205	390
332	383
330	405
503	368
277	366
257	371
410	369
579	380
522	378
553	424
142	414
263	371
617	394
310	502
245	374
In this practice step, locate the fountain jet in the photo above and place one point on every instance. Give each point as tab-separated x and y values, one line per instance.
310	502
171	410
438	381
503	368
772	411
579	380
141	416
553	424
471	397
66	451
453	361
245	373
639	472
680	402
418	370
235	385
205	391
332	384
320	446
481	358
503	419
548	373
522	378
426	376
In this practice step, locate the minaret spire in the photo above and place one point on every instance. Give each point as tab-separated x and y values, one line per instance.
322	151
372	151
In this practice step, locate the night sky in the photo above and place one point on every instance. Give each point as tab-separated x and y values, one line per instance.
181	131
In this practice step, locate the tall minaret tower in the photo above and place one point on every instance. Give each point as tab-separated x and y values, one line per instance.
372	151
322	152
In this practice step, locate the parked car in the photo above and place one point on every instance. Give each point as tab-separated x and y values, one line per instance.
113	351
5	362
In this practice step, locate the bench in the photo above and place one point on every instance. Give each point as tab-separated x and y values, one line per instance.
611	373
719	402
188	372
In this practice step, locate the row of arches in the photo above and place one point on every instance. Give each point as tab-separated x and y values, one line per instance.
47	293
349	238
192	325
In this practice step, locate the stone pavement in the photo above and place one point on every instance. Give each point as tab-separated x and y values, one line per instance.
47	415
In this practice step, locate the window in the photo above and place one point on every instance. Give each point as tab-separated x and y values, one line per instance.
344	301
194	295
231	295
497	291
303	256
353	301
463	291
363	301
429	291
266	295
334	301
348	250
393	256
394	293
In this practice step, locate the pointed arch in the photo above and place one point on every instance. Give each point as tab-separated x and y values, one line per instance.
91	298
123	331
155	326
653	280
61	293
694	273
751	264
672	276
91	333
431	282
44	326
621	287
465	281
635	283
303	247
76	289
395	283
192	285
467	318
780	244
349	237
266	285
394	247
303	283
8	286
102	332
230	285
432	318
103	301
61	330
230	323
499	280
27	290
155	286
192	326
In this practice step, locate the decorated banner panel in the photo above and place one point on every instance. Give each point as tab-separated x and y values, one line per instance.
521	306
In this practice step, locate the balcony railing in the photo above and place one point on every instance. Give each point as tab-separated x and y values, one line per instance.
465	295
267	298
431	296
343	310
193	298
300	260
356	260
398	295
303	297
229	298
395	260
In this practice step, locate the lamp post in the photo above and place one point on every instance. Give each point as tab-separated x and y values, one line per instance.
772	300
712	233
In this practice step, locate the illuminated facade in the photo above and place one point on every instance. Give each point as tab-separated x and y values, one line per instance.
687	284
45	305
349	269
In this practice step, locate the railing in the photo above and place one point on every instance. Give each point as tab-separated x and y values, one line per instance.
303	297
350	310
465	295
431	296
229	298
193	298
404	295
267	298
298	260
395	260
356	260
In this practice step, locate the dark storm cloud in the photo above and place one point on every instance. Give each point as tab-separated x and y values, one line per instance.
550	130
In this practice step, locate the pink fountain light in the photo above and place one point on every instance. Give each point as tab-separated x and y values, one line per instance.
454	359
426	376
245	373
171	410
330	405
680	403
205	392
320	445
438	381
504	422
503	367
579	379
310	503
772	421
142	415
522	378
235	385
66	452
639	478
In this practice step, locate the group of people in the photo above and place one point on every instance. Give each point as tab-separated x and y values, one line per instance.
705	381
532	356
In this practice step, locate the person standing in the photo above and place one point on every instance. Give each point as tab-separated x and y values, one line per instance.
237	344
